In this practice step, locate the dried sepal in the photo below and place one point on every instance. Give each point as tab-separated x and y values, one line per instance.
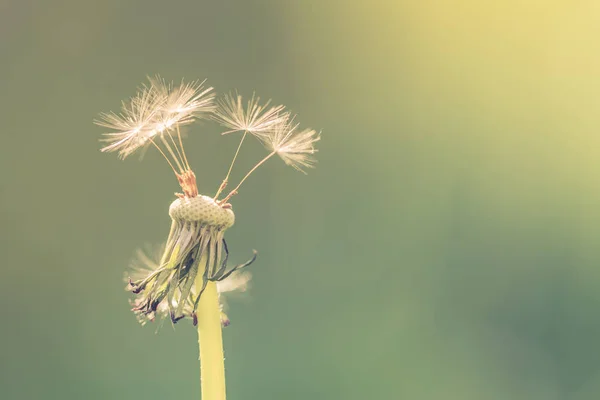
167	288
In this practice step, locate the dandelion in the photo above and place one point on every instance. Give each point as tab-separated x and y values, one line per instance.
192	271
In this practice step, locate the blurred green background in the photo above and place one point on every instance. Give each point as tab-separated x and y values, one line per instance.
446	247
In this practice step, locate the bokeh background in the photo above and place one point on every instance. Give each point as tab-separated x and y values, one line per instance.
446	247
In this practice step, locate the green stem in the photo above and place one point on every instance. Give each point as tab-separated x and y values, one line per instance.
210	341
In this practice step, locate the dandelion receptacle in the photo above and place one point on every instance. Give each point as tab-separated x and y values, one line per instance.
190	275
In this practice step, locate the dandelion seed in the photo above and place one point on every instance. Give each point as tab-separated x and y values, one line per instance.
132	128
183	104
255	118
295	147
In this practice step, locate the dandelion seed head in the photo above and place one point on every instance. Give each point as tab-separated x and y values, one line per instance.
202	209
194	255
157	108
253	117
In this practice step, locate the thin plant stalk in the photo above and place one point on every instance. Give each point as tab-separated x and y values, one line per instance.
210	341
224	183
177	149
261	162
163	154
168	147
187	164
